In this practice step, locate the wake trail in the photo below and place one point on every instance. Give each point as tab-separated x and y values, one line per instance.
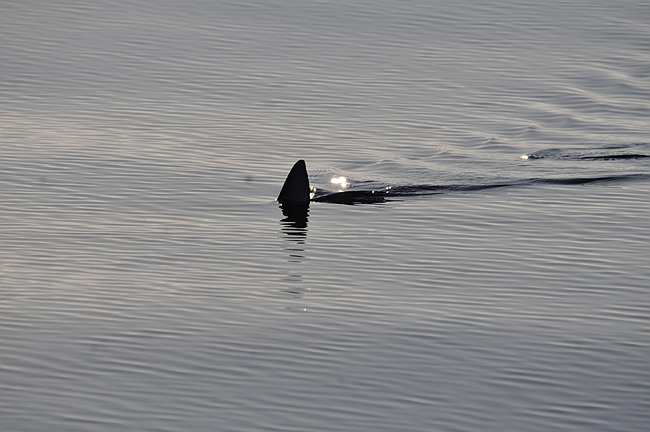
395	192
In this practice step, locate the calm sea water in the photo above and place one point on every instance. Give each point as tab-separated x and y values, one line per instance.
148	280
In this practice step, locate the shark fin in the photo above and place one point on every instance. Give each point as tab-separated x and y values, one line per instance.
295	191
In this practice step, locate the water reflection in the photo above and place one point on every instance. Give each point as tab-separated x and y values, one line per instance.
294	227
295	217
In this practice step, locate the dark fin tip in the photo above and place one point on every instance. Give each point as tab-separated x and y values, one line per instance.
295	191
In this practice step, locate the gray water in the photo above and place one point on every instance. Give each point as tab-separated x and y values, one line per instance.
149	281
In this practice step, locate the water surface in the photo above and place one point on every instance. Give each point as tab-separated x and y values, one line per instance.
148	280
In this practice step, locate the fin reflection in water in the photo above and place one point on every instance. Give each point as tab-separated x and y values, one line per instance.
294	228
295	217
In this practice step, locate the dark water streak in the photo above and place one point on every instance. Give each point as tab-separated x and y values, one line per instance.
390	192
386	193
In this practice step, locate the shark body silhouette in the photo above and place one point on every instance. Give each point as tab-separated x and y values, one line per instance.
296	193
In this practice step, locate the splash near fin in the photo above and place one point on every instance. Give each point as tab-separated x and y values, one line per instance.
295	191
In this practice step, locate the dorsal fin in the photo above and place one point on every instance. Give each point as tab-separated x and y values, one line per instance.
295	191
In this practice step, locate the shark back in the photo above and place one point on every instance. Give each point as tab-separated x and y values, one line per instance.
295	191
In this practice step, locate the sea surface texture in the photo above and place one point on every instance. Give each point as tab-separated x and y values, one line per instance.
150	282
